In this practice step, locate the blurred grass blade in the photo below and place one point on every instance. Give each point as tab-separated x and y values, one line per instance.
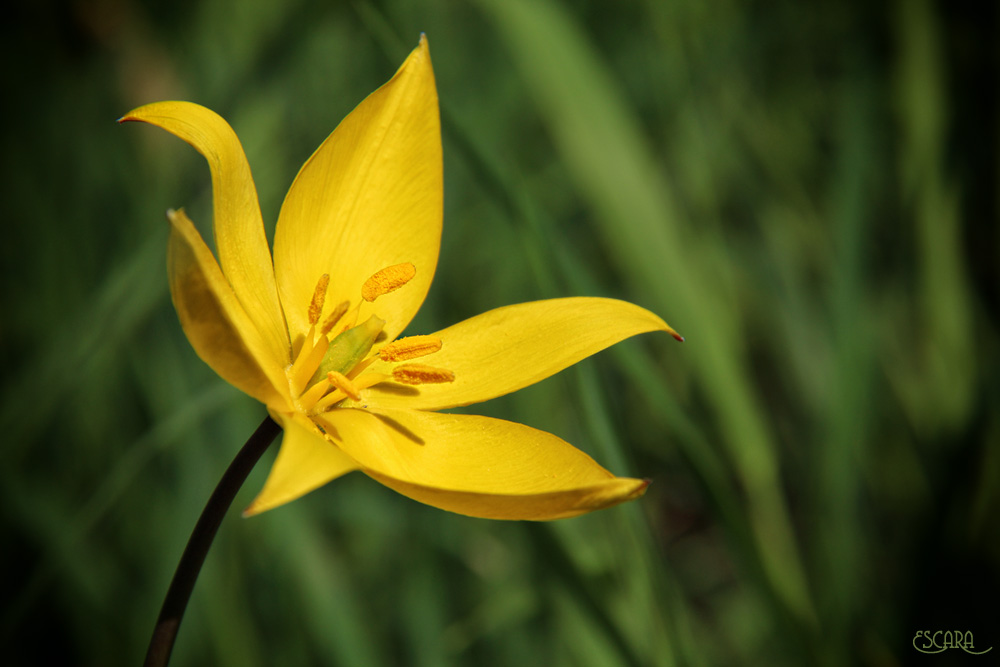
605	153
62	547
108	318
942	354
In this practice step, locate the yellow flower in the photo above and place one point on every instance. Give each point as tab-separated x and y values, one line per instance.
314	335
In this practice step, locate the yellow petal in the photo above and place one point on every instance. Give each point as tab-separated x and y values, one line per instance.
512	347
371	197
213	319
239	231
306	461
476	465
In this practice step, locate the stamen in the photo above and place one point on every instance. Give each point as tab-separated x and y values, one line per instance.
331	321
360	368
421	374
319	295
313	394
307	363
410	347
340	381
369	379
301	350
328	401
336	396
387	280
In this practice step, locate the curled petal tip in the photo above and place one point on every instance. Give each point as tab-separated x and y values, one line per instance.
129	116
670	330
639	490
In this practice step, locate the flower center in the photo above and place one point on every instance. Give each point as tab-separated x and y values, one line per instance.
325	372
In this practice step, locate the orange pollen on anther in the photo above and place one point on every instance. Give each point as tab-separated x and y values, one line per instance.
387	280
334	317
410	347
421	374
341	382
319	296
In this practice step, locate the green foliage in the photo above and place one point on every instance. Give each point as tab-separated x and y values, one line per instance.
806	191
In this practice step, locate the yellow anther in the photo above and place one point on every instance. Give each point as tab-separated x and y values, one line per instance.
410	347
387	280
331	321
341	382
421	374
319	295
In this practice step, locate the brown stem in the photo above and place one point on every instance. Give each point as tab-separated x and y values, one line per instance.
165	632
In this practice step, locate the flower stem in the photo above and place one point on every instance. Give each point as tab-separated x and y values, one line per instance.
165	632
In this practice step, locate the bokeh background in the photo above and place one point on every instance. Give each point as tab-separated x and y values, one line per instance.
806	191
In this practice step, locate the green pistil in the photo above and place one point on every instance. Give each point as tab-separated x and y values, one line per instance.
349	348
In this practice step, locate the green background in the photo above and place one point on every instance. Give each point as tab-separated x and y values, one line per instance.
806	191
